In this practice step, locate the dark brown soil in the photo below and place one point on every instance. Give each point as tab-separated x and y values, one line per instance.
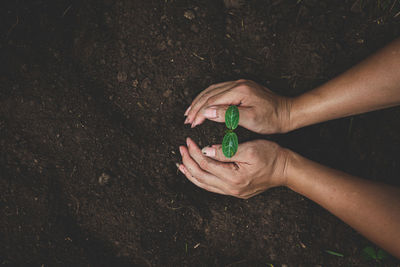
92	95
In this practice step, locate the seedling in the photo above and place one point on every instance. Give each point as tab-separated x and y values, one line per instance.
369	253
230	142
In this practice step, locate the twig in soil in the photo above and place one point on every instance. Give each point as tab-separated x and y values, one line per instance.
334	253
66	11
73	171
199	57
76	203
252	60
391	8
13	26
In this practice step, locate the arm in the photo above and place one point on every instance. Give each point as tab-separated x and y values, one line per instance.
371	208
371	85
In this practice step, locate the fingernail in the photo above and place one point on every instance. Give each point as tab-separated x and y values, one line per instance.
193	125
177	165
186	121
208	151
182	168
210	113
181	151
187	111
187	141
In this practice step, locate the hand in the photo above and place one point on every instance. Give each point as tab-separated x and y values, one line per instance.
256	166
260	110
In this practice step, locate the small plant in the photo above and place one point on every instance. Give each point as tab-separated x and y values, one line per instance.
369	253
230	142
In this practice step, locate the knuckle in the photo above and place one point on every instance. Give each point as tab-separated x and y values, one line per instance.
241	81
210	101
243	88
202	98
200	179
193	172
203	164
240	87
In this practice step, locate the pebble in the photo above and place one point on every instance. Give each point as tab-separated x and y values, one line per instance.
189	14
135	83
104	178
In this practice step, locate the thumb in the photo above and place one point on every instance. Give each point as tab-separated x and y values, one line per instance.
215	152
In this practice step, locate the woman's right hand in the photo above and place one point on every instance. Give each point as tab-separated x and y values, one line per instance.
260	110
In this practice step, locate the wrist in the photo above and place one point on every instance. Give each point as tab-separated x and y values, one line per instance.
298	113
291	167
282	169
285	114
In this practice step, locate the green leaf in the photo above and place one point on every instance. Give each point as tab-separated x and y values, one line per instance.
369	253
334	253
230	144
232	117
382	254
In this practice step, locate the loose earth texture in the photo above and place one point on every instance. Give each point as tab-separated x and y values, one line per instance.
92	96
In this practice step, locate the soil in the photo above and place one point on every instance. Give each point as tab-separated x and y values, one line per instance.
92	95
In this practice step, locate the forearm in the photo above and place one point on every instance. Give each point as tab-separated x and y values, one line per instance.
373	209
371	85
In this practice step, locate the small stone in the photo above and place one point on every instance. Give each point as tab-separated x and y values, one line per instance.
170	43
189	14
167	93
135	83
122	76
104	178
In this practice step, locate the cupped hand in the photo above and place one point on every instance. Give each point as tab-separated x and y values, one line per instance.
260	110
257	166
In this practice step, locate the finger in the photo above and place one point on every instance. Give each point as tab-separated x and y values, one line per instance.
227	97
217	168
210	88
241	155
213	113
194	180
201	175
197	104
230	97
217	114
187	111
